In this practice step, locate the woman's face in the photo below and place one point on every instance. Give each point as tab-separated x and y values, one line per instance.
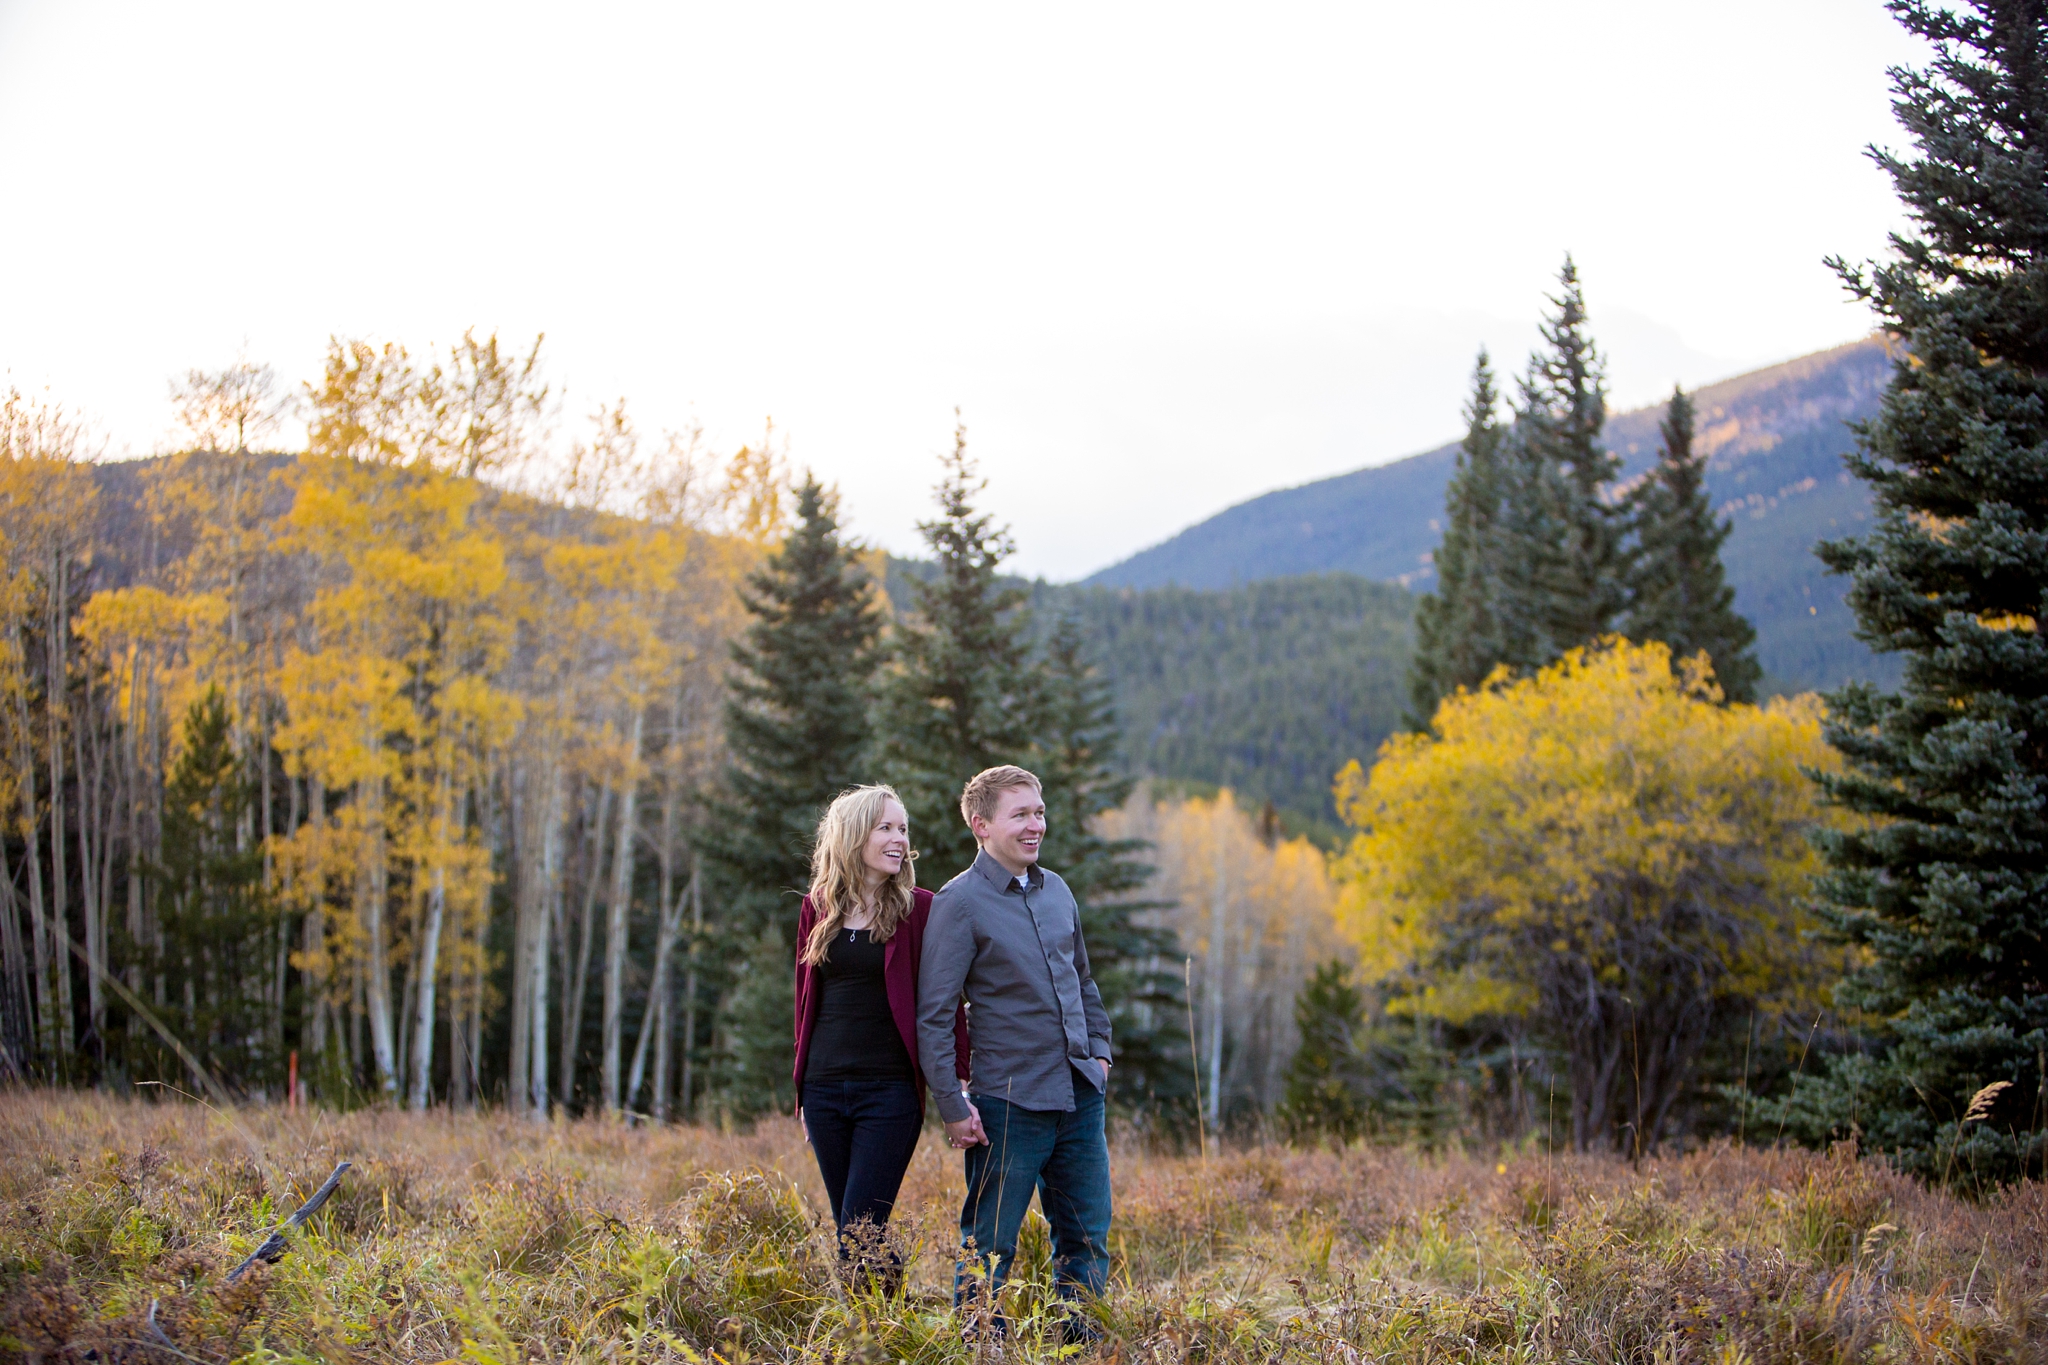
888	846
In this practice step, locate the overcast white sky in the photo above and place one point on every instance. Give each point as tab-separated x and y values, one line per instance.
1164	257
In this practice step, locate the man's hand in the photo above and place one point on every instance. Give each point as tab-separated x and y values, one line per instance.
968	1132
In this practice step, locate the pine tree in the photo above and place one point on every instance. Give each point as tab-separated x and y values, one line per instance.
1329	1079
963	693
211	909
755	1053
798	731
1947	887
1456	639
1680	594
1136	965
1564	579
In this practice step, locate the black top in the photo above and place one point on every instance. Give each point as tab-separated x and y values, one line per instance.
855	1037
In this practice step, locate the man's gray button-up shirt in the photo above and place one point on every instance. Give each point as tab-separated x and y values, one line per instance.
1015	954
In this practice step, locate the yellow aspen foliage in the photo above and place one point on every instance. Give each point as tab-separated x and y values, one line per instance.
1602	856
1256	916
392	696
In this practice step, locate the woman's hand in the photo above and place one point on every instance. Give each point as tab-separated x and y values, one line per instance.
803	1125
967	1132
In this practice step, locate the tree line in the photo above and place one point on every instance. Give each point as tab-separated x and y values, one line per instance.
382	758
444	762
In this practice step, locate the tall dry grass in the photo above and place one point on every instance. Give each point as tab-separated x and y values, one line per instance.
493	1240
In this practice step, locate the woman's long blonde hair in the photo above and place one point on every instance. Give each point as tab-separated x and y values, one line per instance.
838	871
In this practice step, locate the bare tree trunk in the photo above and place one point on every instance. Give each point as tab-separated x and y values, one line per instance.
54	707
652	1017
17	1017
374	884
1218	908
617	922
686	1095
88	869
548	905
429	954
572	998
138	712
38	916
519	784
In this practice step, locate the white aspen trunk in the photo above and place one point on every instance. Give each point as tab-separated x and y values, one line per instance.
586	937
131	756
317	985
651	1018
17	1008
616	926
526	871
690	989
1218	911
550	890
375	884
88	867
45	1003
54	707
430	954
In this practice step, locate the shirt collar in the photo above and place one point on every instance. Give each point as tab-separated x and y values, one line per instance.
1001	878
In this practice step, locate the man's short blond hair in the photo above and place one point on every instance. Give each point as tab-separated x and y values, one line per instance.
986	788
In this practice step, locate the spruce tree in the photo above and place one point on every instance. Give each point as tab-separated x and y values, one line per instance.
1457	642
963	691
212	913
1680	594
1565	576
1329	1080
797	730
1947	887
1136	964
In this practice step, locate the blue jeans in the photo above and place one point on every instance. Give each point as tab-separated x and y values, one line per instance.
1065	1157
863	1133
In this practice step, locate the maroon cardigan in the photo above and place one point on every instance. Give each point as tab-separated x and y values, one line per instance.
899	974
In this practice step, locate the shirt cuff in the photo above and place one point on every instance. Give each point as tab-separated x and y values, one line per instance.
953	1107
1098	1048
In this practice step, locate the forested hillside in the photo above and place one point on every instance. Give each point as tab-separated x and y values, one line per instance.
1251	688
1774	439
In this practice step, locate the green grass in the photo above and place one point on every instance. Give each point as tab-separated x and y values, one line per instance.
490	1240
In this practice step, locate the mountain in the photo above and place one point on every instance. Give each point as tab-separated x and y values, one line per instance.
1774	440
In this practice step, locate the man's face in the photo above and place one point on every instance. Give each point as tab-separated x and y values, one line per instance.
1013	833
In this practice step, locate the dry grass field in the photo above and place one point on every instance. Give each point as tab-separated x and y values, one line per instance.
492	1241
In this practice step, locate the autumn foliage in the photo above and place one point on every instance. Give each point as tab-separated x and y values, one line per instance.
1600	861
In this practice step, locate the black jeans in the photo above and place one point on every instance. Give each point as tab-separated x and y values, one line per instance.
863	1133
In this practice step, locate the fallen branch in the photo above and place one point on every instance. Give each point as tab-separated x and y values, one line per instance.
273	1248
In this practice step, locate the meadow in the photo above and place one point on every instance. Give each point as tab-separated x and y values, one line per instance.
493	1239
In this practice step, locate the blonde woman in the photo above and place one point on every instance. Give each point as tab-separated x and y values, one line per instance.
860	933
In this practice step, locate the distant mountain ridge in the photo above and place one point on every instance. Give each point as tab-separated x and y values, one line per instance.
1774	439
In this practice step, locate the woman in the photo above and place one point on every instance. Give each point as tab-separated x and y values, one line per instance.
860	1093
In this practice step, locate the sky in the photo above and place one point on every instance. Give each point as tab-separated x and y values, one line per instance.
1161	258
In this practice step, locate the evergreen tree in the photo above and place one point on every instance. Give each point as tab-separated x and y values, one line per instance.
1564	576
964	692
211	909
1329	1079
754	1053
1136	965
1680	594
1947	887
798	732
1456	640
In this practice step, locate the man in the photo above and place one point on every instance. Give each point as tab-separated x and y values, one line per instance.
1006	935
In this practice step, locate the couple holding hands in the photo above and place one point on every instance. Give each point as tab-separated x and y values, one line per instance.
889	978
